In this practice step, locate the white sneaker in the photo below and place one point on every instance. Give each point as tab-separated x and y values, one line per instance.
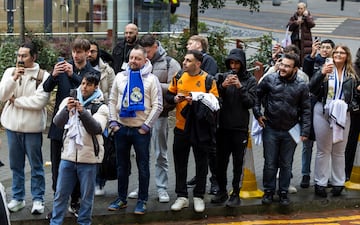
99	191
15	205
134	194
163	196
38	207
292	189
180	203
199	205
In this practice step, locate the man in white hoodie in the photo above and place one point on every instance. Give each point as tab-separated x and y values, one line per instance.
24	118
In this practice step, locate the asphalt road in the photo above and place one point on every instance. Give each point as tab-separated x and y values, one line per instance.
340	26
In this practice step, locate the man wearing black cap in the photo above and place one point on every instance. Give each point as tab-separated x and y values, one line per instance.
237	90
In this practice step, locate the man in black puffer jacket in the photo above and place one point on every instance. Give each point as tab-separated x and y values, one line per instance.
237	91
287	103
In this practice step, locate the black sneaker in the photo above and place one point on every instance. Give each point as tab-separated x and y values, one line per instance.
220	197
267	198
305	182
214	188
74	208
320	191
1	163
336	190
283	198
191	183
234	201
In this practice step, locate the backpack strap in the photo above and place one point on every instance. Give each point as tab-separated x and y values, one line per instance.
168	59
208	80
94	107
40	77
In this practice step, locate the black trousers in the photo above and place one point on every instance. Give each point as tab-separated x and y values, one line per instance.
234	143
181	151
351	145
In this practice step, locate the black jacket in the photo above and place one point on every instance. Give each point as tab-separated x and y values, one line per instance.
64	83
319	87
286	103
235	103
120	54
312	65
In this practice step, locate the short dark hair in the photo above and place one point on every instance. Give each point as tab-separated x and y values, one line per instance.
197	54
92	78
30	45
293	48
139	47
81	43
92	42
328	41
293	56
147	40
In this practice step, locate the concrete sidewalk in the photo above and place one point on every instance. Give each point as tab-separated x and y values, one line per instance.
303	200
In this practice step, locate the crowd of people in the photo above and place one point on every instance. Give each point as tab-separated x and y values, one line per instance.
310	95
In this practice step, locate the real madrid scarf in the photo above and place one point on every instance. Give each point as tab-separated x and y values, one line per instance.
133	98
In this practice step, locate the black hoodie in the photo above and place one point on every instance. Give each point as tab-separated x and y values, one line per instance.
235	103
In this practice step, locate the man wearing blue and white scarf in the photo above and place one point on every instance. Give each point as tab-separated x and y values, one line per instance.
135	103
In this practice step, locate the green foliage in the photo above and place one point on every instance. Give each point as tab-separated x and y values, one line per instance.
217	48
173	18
157	26
8	49
202	28
264	52
47	54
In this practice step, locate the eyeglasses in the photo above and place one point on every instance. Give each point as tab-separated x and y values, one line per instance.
286	66
326	47
338	52
93	51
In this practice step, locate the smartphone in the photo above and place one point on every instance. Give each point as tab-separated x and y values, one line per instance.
73	93
21	64
60	59
317	38
329	61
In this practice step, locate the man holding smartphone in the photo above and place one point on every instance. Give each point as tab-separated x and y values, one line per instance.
84	117
25	100
65	76
321	50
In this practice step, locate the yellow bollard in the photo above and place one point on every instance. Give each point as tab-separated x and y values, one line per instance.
249	185
354	182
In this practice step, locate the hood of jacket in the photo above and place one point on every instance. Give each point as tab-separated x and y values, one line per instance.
159	53
237	55
145	70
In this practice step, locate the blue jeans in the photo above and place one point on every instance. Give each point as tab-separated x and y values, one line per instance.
159	139
279	149
124	139
306	157
29	144
69	174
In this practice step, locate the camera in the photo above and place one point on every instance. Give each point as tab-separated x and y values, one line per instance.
73	93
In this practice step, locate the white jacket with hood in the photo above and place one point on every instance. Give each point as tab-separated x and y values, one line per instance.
28	113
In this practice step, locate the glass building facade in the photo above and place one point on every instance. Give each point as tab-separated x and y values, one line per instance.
61	16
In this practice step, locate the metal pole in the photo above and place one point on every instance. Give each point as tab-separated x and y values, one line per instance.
47	16
342	5
91	15
10	16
